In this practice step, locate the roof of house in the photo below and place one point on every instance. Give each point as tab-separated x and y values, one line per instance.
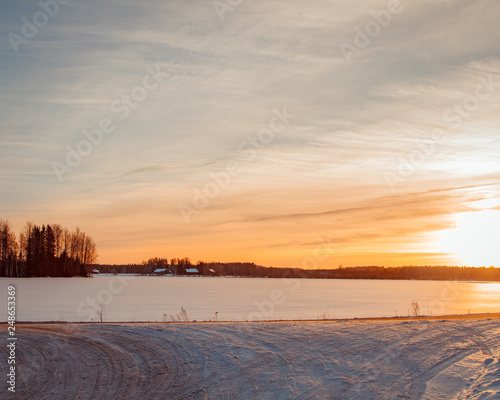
156	271
192	271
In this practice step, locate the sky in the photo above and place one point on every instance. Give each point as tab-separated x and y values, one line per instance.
286	133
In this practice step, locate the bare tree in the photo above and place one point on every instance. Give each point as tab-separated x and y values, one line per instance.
76	244
66	241
58	239
89	250
415	308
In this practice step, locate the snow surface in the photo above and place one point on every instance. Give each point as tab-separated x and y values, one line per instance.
440	359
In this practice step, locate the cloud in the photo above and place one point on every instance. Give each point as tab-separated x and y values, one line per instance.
323	175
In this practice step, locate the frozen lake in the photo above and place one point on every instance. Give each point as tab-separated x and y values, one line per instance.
138	298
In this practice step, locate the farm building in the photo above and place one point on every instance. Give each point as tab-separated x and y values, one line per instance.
192	271
162	271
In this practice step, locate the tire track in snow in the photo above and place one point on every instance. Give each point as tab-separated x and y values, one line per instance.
293	360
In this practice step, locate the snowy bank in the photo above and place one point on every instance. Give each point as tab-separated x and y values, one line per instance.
423	359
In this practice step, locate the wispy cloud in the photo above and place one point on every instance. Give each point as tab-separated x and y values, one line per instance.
324	176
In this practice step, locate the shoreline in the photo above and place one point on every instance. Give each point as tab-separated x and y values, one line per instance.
109	275
479	316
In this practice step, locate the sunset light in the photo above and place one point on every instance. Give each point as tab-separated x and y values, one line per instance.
475	238
216	133
250	199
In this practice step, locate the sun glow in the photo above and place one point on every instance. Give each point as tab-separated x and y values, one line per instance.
475	240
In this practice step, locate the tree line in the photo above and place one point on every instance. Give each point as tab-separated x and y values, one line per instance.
51	250
177	266
47	250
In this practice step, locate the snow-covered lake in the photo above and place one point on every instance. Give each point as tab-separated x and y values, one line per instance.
137	298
